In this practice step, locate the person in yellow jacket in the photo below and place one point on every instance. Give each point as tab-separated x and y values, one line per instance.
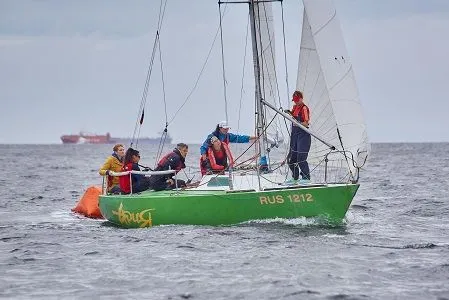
113	163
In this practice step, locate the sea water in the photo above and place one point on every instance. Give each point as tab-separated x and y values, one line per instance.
394	243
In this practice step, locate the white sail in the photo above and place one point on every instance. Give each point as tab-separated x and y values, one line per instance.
326	78
266	50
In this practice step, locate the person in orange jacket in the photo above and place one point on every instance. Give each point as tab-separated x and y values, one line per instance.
300	140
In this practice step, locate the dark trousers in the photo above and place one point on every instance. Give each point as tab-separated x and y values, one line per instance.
141	185
299	150
161	184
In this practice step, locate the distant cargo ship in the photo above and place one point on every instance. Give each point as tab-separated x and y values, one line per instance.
84	138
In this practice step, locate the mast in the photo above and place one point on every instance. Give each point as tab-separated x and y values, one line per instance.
258	91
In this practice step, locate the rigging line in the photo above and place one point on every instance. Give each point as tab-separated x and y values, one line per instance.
286	70
254	142
273	59
145	90
137	140
149	71
285	48
164	133
260	48
163	81
161	14
160	147
243	74
200	74
285	63
223	65
261	78
264	60
343	148
157	40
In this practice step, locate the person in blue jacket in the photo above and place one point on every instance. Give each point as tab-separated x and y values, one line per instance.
223	134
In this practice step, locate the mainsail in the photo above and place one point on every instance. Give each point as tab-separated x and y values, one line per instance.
266	51
265	41
326	78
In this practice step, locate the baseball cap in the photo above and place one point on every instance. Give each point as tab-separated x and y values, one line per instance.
224	124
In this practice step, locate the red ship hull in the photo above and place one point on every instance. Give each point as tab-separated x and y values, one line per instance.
86	139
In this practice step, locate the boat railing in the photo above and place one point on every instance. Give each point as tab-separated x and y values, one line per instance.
129	173
349	156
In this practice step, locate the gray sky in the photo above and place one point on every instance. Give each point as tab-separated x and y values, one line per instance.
67	66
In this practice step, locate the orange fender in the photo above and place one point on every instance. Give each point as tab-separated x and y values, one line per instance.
88	204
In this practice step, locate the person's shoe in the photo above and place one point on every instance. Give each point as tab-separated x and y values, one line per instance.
303	181
291	182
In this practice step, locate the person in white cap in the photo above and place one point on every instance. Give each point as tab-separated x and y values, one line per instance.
223	134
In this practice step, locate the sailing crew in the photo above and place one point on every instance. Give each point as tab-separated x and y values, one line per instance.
219	157
223	134
113	164
300	140
174	160
135	183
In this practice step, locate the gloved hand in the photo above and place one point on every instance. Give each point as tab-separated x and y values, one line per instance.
288	111
274	142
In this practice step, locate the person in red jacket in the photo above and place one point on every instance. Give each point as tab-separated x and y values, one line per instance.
218	157
135	183
300	140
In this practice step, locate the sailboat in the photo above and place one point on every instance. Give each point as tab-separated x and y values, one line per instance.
339	141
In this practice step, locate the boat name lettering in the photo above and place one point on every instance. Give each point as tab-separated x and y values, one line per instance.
143	218
279	199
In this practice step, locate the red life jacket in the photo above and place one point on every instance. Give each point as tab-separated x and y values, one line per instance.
301	113
226	139
162	163
221	159
125	180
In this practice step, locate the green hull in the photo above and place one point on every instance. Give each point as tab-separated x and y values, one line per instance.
220	208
